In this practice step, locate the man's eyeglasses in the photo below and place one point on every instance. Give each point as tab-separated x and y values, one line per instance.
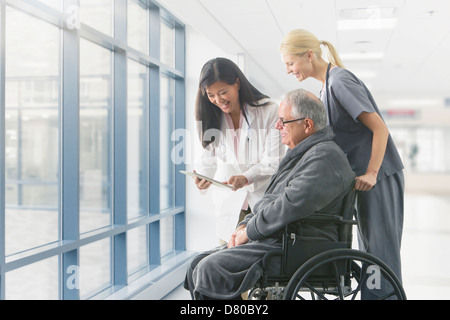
289	121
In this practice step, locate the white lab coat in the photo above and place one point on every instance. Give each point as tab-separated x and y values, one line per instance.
259	153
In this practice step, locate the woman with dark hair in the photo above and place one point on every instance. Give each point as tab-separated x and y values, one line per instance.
240	144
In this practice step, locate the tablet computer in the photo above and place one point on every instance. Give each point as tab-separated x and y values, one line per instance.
202	177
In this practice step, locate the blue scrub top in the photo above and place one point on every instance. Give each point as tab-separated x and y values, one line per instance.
348	98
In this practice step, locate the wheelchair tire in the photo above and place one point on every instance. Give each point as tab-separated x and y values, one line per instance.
344	279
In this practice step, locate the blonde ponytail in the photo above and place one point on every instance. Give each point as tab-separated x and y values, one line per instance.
332	55
300	41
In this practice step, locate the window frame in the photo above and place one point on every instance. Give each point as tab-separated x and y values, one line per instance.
68	247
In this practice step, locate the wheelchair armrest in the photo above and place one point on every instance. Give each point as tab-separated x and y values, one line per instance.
320	217
328	219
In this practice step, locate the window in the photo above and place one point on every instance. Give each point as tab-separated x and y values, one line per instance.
167	43
137	251
35	281
138	26
90	198
167	124
137	141
55	4
95	136
95	267
31	132
423	149
97	14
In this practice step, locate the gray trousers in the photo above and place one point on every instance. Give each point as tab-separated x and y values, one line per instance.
380	219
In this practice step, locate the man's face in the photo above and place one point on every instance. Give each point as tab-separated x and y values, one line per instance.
291	133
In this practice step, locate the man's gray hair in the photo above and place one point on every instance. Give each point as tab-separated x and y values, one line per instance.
306	105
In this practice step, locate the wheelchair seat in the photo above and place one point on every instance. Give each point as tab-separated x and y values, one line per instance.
324	269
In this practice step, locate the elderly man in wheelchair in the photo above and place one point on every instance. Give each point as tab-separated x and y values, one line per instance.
297	242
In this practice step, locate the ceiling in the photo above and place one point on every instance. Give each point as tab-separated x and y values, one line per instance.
399	48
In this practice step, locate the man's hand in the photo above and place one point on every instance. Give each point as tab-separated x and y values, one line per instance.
238	237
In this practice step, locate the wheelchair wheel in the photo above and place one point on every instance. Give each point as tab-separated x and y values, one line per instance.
342	274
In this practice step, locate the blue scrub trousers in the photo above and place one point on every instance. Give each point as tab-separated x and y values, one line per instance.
380	219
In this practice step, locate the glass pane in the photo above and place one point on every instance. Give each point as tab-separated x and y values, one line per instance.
137	140
95	267
137	252
38	281
95	136
167	167
167	44
167	236
138	26
55	4
32	131
97	14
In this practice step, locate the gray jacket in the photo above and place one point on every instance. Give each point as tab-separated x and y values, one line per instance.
312	178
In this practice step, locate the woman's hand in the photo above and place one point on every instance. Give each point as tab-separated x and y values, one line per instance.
365	182
202	184
237	182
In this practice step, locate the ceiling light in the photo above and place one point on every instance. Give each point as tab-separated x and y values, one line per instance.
370	18
362	56
366	24
371	12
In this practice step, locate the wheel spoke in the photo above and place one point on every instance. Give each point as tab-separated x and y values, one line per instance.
299	296
346	261
312	291
338	281
360	282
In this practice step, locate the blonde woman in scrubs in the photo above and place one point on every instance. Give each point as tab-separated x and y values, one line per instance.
362	134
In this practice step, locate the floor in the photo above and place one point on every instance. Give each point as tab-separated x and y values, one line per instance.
425	249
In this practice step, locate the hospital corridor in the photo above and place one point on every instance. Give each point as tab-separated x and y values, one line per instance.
102	104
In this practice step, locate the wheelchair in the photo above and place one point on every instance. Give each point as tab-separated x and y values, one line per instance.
325	270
